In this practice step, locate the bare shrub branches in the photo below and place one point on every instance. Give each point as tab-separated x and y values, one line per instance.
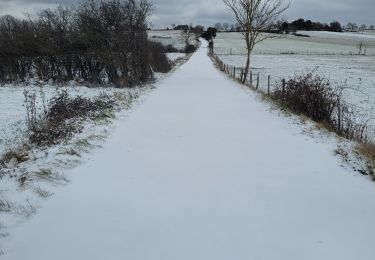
57	123
158	60
100	41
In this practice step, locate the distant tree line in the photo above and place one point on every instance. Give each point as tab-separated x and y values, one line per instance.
99	41
308	25
299	25
196	30
227	27
352	27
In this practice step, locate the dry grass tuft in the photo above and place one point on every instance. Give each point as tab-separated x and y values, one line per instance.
344	154
42	193
5	206
20	155
70	151
367	150
51	176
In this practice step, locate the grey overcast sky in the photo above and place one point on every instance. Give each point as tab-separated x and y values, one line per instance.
209	12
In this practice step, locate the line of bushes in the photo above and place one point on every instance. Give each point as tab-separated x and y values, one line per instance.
98	41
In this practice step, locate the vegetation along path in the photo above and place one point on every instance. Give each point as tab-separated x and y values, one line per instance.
204	170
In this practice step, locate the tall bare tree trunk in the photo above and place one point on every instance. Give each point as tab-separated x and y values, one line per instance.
249	50
247	66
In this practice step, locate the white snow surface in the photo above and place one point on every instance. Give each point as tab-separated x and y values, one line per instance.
204	170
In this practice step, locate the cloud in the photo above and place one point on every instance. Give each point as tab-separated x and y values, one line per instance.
360	11
20	8
208	12
205	12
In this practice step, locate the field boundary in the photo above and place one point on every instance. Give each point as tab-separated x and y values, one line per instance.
231	52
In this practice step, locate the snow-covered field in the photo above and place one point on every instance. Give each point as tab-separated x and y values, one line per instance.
319	43
171	37
310	55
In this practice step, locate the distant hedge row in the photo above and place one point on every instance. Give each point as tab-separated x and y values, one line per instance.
98	41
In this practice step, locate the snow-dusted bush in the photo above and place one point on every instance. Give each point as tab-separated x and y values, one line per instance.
58	121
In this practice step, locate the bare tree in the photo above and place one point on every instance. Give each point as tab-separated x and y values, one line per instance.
362	48
198	30
363	27
255	16
218	26
186	34
226	26
352	27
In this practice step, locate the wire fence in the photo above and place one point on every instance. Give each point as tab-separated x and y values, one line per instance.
364	53
238	73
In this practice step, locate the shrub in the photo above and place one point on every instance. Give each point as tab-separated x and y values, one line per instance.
159	60
19	155
316	98
170	49
57	123
190	48
309	95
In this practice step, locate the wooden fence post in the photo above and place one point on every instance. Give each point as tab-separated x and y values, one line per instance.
283	91
269	84
251	78
234	72
257	81
339	115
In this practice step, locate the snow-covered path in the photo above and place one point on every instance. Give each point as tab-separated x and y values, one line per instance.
204	171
